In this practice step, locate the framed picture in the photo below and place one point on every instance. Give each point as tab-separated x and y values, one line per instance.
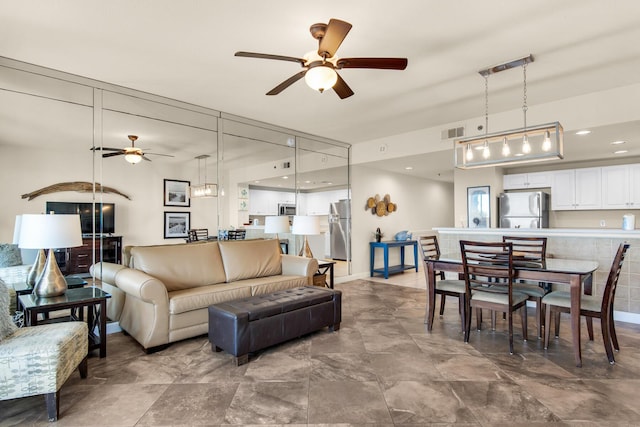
243	193
176	193
176	225
478	207
243	205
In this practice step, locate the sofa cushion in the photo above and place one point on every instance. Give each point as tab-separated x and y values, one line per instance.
181	266
246	259
7	327
9	255
197	298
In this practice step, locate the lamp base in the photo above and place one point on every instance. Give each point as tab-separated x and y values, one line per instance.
37	268
51	282
306	250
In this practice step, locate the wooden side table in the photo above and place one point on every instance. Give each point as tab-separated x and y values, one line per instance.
75	300
324	267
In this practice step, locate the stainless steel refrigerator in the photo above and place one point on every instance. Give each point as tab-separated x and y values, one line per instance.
528	209
339	228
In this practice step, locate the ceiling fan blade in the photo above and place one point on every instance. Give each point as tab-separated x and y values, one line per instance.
105	149
376	63
335	33
158	154
285	84
268	56
145	158
112	154
342	88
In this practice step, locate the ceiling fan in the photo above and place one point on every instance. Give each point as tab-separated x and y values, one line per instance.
319	68
132	154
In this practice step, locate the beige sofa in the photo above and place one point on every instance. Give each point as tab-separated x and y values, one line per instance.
164	294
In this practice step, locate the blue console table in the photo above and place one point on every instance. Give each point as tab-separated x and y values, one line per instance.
386	270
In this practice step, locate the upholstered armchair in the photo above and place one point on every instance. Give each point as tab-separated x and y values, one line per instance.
39	359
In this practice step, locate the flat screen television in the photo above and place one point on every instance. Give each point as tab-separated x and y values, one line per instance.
104	215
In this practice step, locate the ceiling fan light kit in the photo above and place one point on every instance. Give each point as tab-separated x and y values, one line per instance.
319	68
132	154
523	145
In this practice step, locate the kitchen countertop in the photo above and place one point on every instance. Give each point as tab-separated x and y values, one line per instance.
560	232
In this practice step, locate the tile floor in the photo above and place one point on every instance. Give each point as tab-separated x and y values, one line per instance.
380	368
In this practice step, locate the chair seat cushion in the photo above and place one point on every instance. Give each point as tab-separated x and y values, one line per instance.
498	298
529	289
456	286
563	299
39	359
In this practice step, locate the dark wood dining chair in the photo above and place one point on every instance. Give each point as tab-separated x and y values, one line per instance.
488	275
531	250
237	234
198	234
591	306
455	288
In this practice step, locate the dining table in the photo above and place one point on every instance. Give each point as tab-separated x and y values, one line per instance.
577	274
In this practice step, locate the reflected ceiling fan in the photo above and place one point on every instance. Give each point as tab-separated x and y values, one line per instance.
319	68
132	154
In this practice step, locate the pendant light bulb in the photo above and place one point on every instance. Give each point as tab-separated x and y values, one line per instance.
486	153
505	147
526	147
546	143
469	153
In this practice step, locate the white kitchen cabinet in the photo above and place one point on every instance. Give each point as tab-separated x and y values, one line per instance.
519	181
576	189
262	203
621	187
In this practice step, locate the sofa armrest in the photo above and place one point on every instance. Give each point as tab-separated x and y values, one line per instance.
106	271
293	265
143	286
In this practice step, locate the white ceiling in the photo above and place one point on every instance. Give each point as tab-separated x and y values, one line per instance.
184	50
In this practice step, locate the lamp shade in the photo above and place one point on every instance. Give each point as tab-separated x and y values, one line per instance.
306	225
50	231
276	224
16	229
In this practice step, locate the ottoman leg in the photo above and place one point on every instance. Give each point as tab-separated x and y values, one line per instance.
215	348
53	405
335	327
241	360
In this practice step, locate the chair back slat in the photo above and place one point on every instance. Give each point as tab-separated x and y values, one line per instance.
528	249
487	266
430	249
609	294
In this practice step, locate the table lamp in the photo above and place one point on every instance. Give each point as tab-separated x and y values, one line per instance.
305	226
277	224
50	232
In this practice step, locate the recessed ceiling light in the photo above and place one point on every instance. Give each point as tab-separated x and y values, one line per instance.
307	182
618	142
583	132
256	181
620	151
409	168
285	177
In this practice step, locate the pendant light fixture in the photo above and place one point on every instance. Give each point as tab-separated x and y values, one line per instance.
523	145
205	189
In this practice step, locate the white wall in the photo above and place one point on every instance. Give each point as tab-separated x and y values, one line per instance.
422	205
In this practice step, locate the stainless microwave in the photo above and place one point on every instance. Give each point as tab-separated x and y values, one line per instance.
286	209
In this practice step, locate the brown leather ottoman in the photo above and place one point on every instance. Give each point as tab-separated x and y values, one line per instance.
251	324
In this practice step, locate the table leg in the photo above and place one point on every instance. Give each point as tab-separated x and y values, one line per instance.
103	328
575	317
331	276
372	258
402	248
415	255
386	261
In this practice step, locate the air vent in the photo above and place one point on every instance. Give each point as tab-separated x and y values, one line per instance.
452	133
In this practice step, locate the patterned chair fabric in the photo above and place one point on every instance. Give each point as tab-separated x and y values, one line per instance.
11	275
39	359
